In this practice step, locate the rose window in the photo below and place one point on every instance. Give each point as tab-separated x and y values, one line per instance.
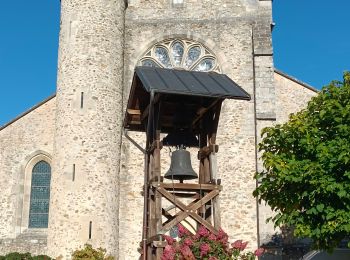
180	54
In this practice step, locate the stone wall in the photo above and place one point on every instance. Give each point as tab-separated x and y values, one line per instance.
26	138
292	95
85	178
28	241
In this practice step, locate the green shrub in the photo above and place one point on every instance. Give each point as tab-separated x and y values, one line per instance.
24	256
89	253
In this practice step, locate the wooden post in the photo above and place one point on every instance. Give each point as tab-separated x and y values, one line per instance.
204	208
155	248
151	206
202	171
157	195
213	167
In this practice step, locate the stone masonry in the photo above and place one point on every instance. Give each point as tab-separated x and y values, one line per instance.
97	175
26	138
84	208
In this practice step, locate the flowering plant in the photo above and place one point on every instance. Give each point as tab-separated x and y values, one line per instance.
205	245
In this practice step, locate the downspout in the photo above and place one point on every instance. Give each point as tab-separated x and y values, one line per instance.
256	135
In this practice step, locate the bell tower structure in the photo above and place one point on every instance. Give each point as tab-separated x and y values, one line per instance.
84	186
232	37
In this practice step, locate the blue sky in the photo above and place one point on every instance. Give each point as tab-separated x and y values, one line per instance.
311	39
311	42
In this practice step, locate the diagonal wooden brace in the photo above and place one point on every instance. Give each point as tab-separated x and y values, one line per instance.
187	210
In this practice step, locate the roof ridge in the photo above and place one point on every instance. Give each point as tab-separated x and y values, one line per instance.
296	80
27	111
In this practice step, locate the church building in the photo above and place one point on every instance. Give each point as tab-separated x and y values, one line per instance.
70	174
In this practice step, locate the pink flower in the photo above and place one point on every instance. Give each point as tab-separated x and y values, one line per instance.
202	231
196	236
239	244
213	258
244	245
259	252
205	248
177	247
169	239
188	242
222	236
168	253
212	237
187	253
182	231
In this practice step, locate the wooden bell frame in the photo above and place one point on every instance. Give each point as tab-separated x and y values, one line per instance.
153	102
204	208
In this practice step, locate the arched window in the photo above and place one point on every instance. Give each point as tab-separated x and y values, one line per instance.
180	54
40	195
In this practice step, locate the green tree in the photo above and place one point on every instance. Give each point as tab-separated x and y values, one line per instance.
306	179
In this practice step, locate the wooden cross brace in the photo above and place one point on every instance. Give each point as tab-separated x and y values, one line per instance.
189	210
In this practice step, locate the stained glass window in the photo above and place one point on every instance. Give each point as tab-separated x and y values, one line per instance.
149	63
40	195
180	54
193	54
205	65
177	53
162	56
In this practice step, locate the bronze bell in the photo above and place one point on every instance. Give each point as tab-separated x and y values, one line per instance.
180	167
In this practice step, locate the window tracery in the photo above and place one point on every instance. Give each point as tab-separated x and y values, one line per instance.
180	54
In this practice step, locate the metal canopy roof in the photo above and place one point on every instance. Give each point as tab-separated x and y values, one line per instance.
209	84
189	93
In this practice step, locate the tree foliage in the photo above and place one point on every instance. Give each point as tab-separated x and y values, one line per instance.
306	179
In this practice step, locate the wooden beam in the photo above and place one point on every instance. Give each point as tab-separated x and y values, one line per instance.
204	200
159	244
133	111
166	214
172	199
146	111
177	219
187	186
187	210
135	123
207	150
151	239
203	222
214	126
202	112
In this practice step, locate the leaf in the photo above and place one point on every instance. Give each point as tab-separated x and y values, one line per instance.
306	167
320	207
